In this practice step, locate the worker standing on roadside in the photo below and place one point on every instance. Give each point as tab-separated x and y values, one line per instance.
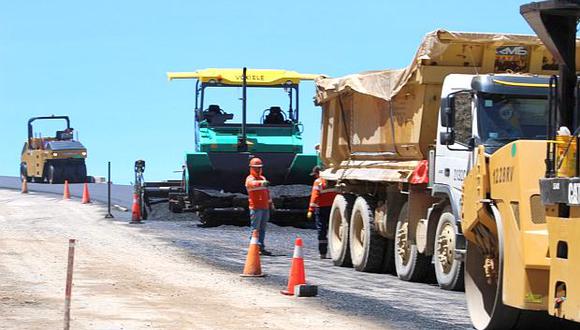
259	201
321	201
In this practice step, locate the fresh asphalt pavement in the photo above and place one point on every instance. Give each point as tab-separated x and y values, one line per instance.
121	195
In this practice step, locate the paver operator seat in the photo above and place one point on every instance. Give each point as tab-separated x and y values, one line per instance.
216	116
275	116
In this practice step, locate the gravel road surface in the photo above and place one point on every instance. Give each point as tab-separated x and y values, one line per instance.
170	273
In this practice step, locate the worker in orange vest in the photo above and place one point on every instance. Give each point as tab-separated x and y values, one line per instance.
259	201
321	201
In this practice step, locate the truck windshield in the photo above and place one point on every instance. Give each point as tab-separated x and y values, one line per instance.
505	118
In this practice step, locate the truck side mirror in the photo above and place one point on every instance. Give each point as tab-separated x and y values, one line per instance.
447	138
448	112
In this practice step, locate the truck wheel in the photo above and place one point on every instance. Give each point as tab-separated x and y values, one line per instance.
367	247
448	270
410	264
338	230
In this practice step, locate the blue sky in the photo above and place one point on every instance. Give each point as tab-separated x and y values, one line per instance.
103	63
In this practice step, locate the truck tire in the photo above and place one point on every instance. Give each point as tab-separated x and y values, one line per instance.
410	264
448	270
367	247
338	230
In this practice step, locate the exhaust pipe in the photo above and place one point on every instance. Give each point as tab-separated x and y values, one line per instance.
242	143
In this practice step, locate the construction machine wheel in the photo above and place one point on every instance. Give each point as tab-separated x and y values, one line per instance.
80	173
410	264
367	247
484	293
448	270
73	172
338	230
52	174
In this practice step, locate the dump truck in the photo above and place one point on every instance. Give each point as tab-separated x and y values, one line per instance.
521	210
214	172
387	146
53	159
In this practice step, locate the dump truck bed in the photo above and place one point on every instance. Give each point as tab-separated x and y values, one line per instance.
372	121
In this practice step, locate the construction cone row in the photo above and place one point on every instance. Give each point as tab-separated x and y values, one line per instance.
86	196
297	273
136	210
253	267
66	192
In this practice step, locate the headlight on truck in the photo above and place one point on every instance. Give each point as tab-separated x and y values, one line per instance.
54	154
84	153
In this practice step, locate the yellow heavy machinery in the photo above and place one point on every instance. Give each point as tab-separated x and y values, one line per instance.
521	203
53	159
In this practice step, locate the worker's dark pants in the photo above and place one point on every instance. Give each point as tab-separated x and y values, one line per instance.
258	220
321	216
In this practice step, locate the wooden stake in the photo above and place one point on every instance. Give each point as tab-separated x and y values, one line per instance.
69	277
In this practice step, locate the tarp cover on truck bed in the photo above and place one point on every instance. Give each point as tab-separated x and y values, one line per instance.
386	84
372	120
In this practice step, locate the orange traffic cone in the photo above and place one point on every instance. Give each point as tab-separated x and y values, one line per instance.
297	274
253	267
136	210
24	189
86	196
66	193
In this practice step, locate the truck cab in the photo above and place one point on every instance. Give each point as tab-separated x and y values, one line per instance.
490	110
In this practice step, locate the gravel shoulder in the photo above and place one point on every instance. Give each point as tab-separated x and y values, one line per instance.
127	277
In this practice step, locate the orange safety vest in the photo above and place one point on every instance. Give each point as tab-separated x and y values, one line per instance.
258	194
322	195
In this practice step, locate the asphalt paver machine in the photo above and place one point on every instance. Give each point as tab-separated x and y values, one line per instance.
214	172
